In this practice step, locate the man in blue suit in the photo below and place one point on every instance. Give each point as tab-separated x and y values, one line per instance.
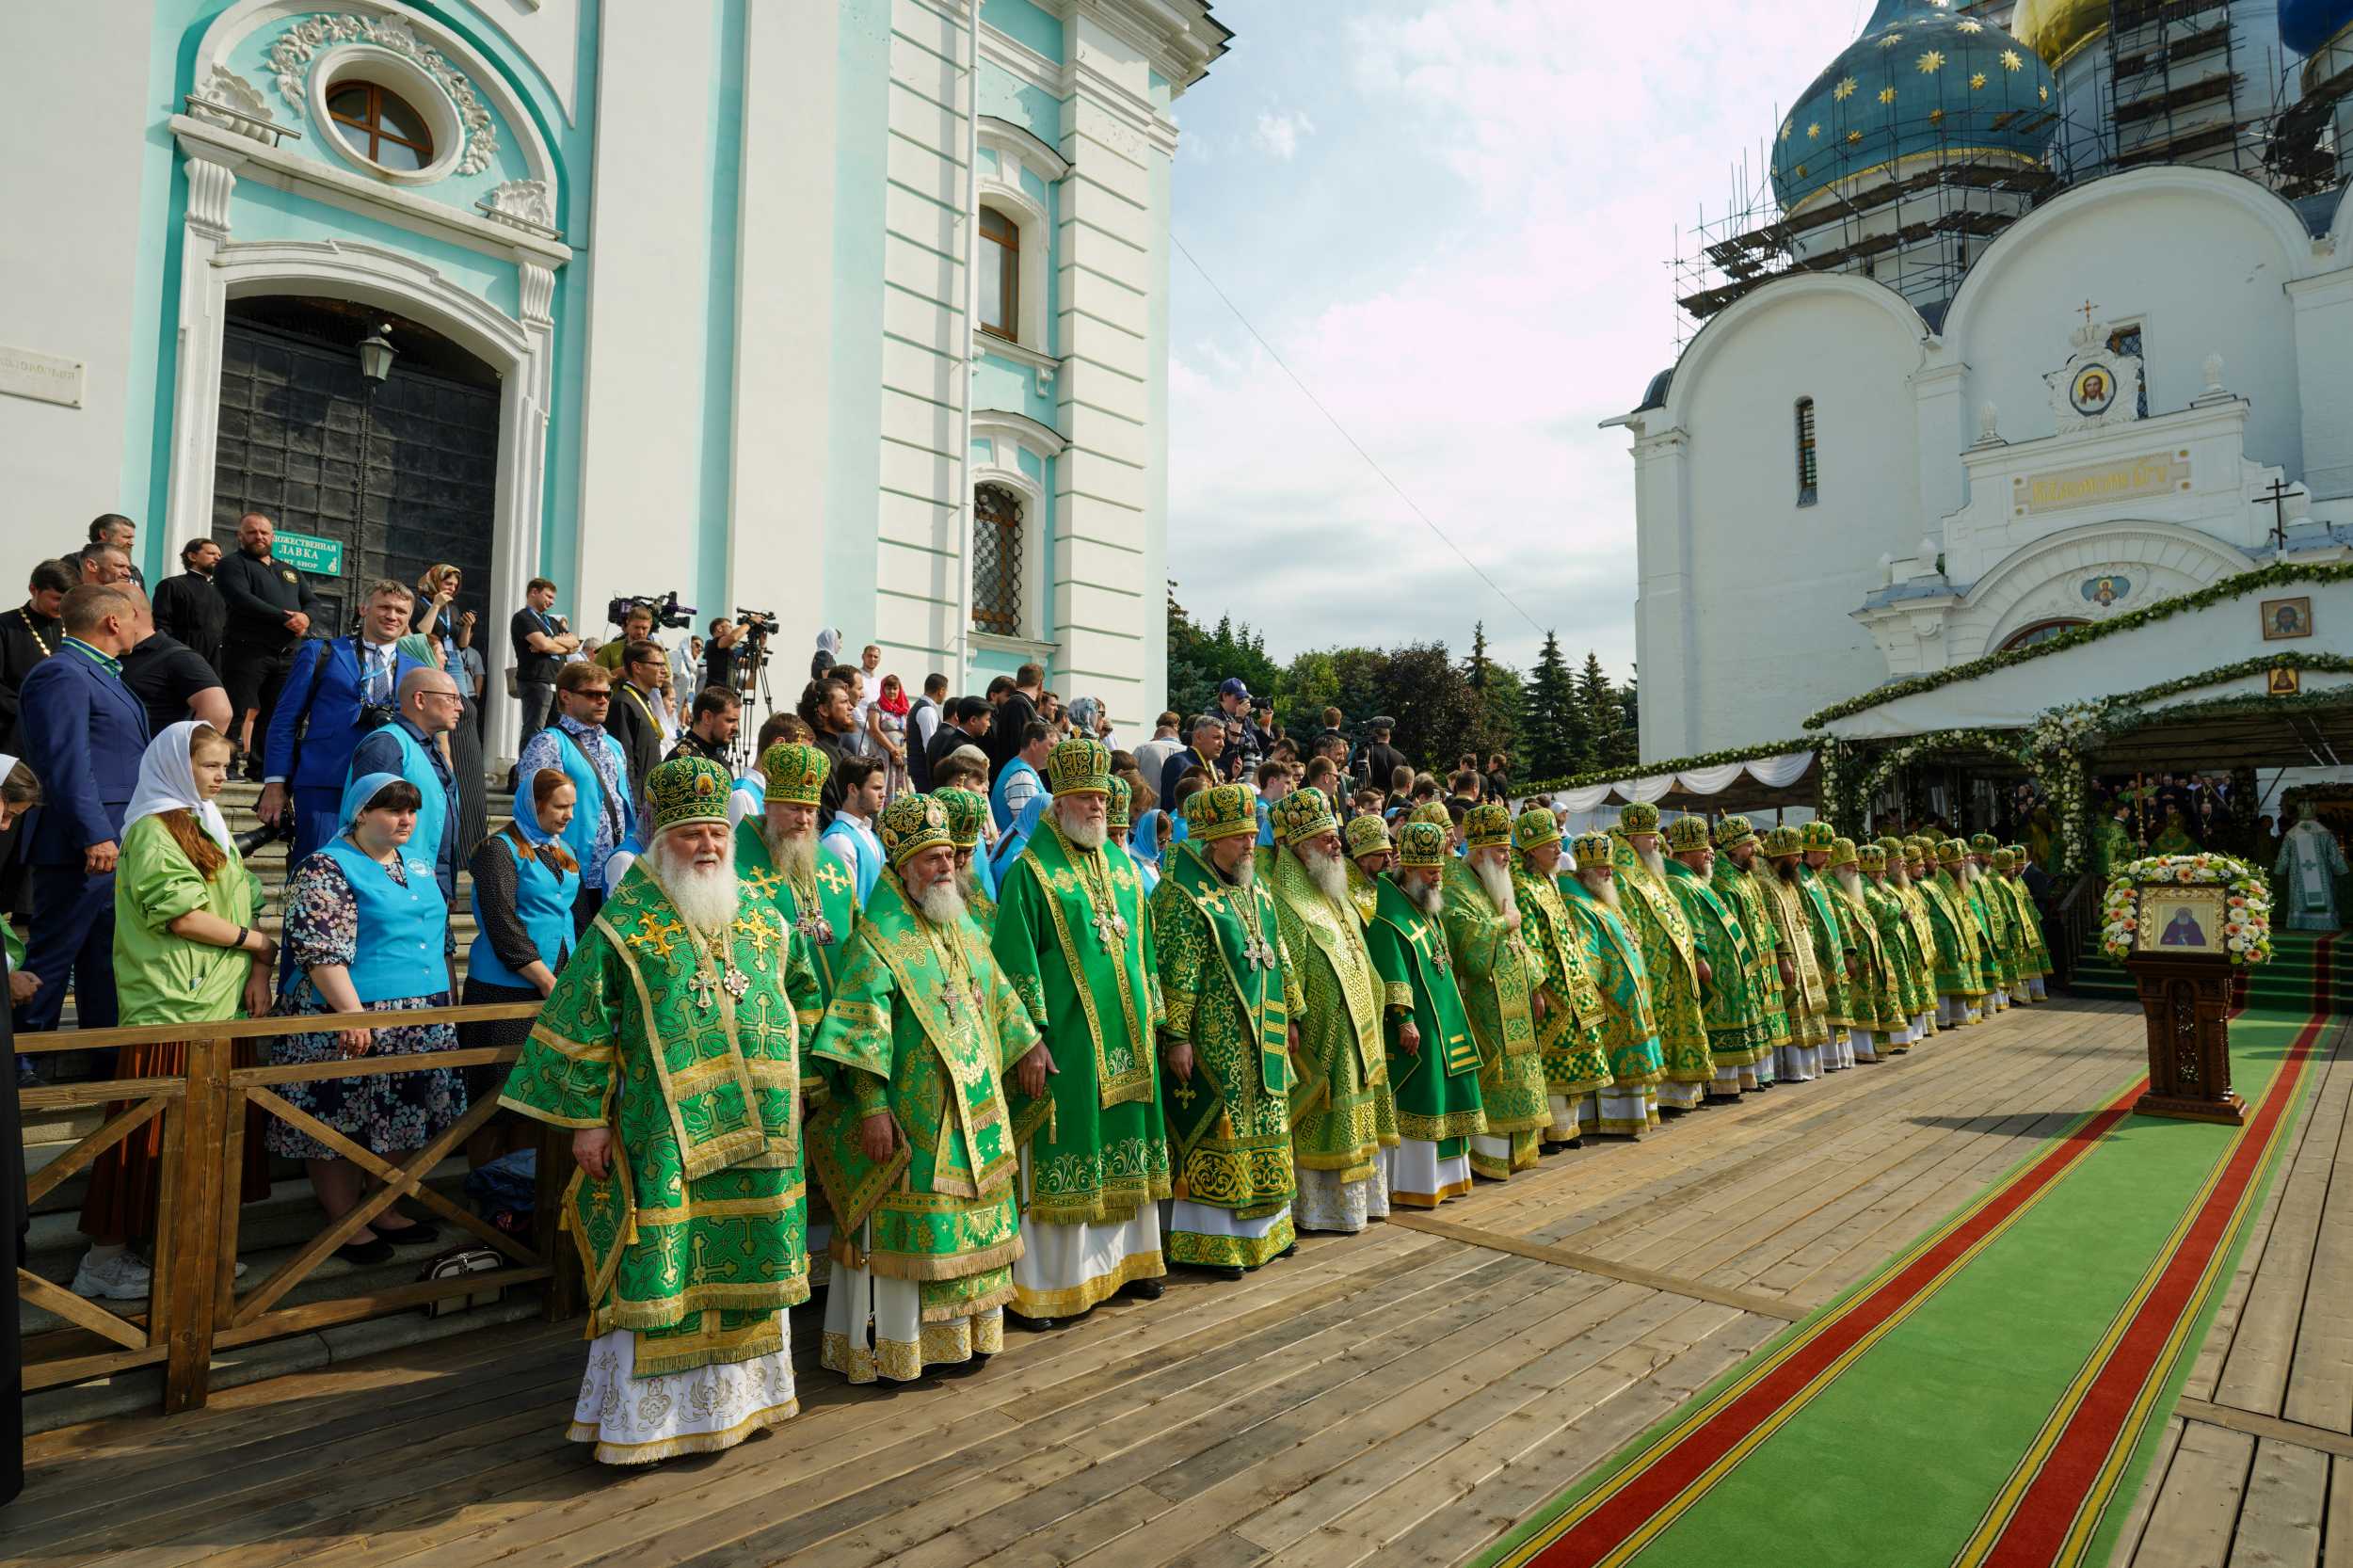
82	732
338	690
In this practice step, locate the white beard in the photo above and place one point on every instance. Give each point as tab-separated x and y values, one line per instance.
1329	872
941	903
1848	882
967	883
1654	860
1497	879
795	854
1602	887
1900	875
1968	874
1428	897
705	898
1244	873
1083	834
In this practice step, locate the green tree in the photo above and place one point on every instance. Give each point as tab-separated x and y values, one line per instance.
1604	713
1438	714
1553	730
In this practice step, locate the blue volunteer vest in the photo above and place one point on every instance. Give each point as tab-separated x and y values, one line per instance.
424	843
580	834
543	901
401	928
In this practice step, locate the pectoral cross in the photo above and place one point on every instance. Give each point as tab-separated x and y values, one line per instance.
1432	951
818	929
1255	952
705	986
830	875
656	935
1108	927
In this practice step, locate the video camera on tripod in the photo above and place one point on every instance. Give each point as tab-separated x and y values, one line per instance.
666	611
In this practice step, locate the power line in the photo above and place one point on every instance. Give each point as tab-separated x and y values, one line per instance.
1309	394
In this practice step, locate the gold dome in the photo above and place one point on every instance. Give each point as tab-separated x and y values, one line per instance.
2056	29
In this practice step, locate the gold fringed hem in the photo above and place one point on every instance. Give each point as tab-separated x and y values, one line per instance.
1621	1127
1197	1251
1431	1200
890	1265
1482	1166
949	1342
1440	1129
1518	1125
1103	1209
669	1310
698	1443
1574	1088
1088	1294
1355	1165
976	1307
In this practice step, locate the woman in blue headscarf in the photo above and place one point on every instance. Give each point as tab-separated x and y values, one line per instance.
1018	837
1144	843
524	885
366	930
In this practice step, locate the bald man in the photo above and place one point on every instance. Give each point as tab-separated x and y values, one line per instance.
415	746
172	680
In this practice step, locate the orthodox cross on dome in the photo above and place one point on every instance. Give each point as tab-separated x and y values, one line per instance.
2088	306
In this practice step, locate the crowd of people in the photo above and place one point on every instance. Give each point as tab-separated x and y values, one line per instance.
948	1006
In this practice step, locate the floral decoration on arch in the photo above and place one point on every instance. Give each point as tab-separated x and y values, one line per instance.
2247	902
289	60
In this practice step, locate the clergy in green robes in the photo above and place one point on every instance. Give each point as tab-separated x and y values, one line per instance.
1832	949
1669	956
1343	1115
1432	1057
1571	1037
917	1155
1630	1106
1734	880
1893	925
2111	845
1994	920
1502	979
1369	850
1727	964
1877	992
967	810
2027	953
1960	979
778	859
1225	1068
1074	935
1781	884
2174	837
1906	869
672	1045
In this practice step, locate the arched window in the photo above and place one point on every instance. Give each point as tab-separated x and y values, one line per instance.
1808	472
380	126
2040	632
1000	275
995	561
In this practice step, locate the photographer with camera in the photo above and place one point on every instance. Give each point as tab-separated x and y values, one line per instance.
637	627
339	690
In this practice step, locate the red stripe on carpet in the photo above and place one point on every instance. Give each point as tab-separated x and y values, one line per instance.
2046	1514
1638	1497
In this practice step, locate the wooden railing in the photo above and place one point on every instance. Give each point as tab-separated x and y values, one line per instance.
195	1307
2079	920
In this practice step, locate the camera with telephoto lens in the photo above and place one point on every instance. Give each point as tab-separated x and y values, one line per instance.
666	611
269	833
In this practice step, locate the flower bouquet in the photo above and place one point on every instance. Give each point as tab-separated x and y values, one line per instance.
2245	936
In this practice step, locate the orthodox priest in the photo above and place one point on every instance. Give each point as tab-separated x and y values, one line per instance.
1877	995
1433	1059
1802	988
2001	965
1727	963
1630	1106
1073	937
2311	860
1573	1038
1226	1039
1915	997
672	1044
1670	956
967	813
1961	984
1343	1117
1370	851
1735	881
1502	982
1832	950
918	1157
2032	956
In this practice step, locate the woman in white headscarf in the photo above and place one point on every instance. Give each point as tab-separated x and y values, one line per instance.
186	953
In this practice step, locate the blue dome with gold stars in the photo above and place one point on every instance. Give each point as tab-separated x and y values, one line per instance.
1922	82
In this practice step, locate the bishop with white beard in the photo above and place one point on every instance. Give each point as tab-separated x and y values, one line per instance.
1433	1057
1500	978
673	1045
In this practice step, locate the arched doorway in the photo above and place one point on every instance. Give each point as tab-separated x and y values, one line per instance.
364	480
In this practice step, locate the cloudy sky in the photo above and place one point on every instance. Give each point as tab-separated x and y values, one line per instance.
1452	219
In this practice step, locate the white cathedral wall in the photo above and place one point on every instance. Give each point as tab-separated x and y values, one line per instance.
1764	634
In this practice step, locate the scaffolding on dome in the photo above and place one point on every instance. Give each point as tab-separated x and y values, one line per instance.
2174	92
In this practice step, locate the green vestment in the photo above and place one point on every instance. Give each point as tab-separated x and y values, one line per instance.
1993	917
1741	893
1614	959
2028	951
1736	1035
1437	1087
823	908
923	1025
1497	975
1342	1113
1914	995
1073	937
1671	959
1572	1037
1959	972
2111	847
1806	994
1226	984
1831	947
1875	994
690	1050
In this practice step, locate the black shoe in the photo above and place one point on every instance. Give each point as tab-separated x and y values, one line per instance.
1285	1252
1033	1325
366	1253
413	1235
1576	1143
1144	1290
1227	1271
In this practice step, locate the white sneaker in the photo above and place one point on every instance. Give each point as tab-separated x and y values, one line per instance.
119	1278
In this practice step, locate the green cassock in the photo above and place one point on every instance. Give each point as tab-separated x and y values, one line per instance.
1498	976
1746	897
1831	947
2027	949
1671	964
924	1025
1226	984
1614	958
1341	1110
690	1050
1914	993
1073	937
1993	917
1573	1039
1958	970
1436	1087
1874	992
1736	1035
1804	996
823	909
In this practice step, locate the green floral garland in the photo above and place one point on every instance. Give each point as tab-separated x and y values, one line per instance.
2247	923
1673	764
2277	575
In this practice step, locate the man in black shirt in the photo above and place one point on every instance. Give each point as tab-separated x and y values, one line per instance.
827	708
1381	760
28	634
710	728
540	643
168	678
269	615
631	719
1013	716
188	607
719	652
966	722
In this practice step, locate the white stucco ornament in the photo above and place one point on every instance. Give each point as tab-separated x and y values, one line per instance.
292	55
224	89
1989	424
524	201
2098	385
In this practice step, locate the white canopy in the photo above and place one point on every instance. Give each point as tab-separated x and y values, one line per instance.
1774	772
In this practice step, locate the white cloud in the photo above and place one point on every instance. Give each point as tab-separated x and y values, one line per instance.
1277	135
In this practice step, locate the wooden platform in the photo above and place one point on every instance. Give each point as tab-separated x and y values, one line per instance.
1395	1398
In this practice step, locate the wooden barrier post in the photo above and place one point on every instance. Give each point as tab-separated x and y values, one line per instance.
561	1296
185	1274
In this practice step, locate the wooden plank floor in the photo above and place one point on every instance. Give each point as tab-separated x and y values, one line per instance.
1400	1396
